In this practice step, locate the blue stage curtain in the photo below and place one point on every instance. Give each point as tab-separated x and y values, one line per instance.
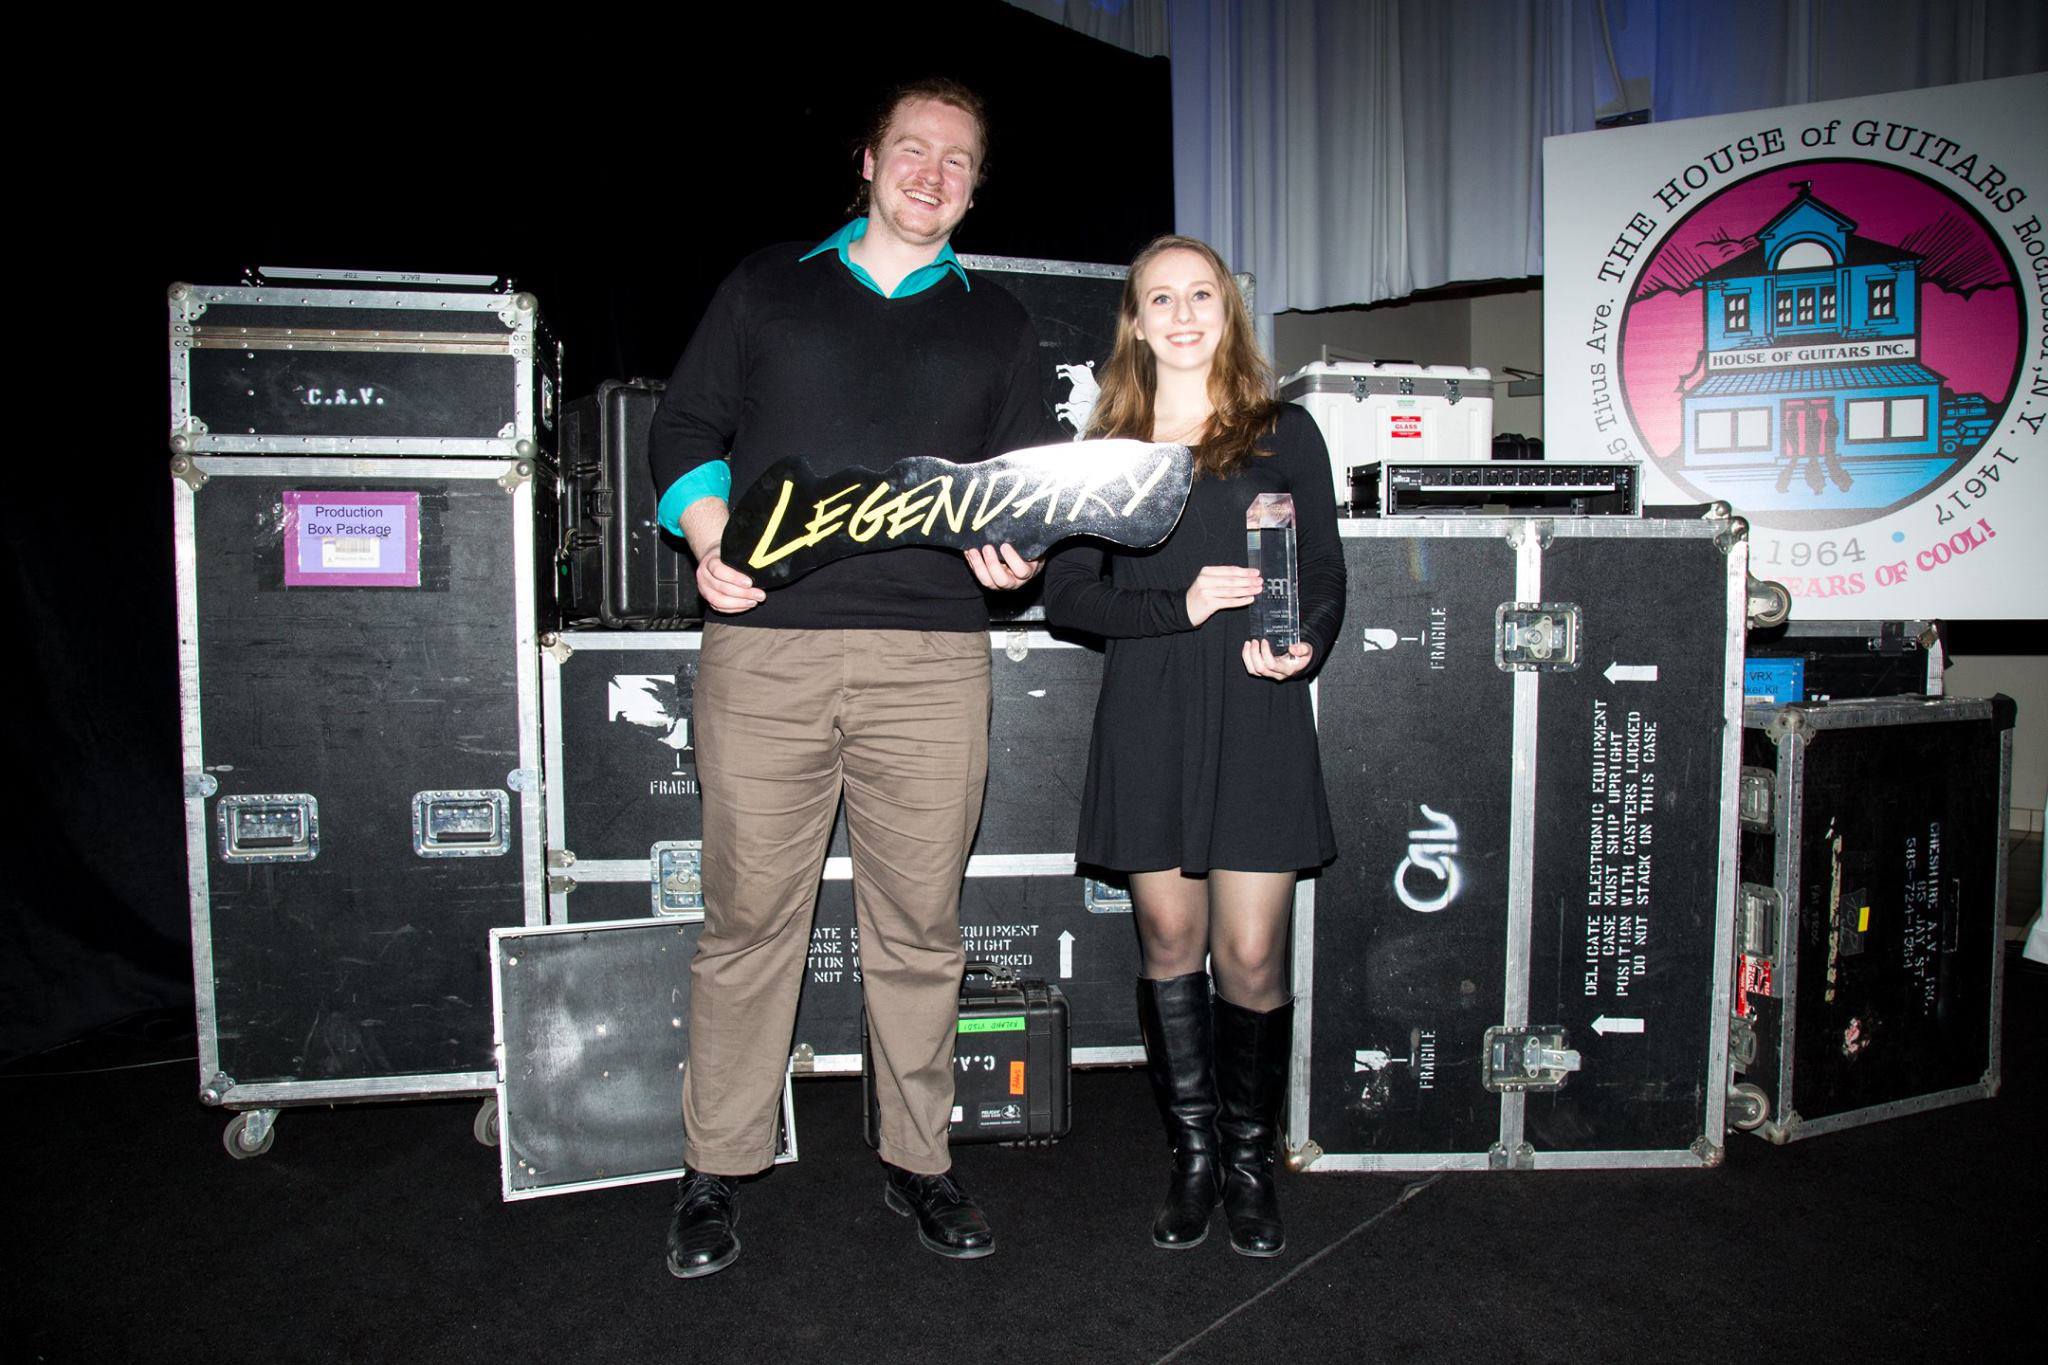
1349	151
1733	55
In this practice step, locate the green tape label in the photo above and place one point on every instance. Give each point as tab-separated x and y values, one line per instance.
1009	1023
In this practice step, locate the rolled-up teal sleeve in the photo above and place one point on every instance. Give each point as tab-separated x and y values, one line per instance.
712	479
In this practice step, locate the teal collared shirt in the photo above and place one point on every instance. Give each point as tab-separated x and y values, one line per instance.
916	282
713	478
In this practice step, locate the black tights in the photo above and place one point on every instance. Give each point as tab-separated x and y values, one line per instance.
1238	920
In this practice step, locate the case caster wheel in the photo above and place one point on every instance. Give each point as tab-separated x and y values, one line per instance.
250	1133
1770	603
1748	1107
485	1126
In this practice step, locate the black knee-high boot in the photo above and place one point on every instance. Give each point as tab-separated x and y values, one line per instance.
1174	1016
1251	1083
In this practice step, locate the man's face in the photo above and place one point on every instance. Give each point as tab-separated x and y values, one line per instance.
922	182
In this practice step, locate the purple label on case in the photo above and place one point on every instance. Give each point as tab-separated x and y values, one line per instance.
355	539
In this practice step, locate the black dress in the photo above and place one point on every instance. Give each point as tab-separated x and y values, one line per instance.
1196	763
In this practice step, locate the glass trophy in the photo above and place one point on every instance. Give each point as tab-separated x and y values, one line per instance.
1269	548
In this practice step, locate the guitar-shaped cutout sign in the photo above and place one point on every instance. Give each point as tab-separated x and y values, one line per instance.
791	520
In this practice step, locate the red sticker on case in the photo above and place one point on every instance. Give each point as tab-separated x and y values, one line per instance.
1756	980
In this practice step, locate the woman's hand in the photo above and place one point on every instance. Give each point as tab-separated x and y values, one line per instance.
1261	662
1221	587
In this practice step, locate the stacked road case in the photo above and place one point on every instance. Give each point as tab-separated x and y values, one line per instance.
625	814
1521	957
1856	658
338	364
625	824
358	598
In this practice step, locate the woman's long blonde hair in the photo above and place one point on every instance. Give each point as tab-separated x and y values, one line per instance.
1240	381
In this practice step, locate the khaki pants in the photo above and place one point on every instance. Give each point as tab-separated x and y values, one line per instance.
785	720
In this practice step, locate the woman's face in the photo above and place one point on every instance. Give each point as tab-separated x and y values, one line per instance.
1181	316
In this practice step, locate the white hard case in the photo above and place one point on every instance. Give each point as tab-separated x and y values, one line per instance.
1388	411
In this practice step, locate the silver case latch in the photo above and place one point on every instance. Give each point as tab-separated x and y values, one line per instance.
1758	910
1537	637
1742	1043
1517	1059
1757	796
678	877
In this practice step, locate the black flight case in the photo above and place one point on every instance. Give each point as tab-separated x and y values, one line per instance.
625	821
358	598
618	569
1841	659
1871	941
1520	958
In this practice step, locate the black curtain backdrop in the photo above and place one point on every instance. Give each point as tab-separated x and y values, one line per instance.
617	175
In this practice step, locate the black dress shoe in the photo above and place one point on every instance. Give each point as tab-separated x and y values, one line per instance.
701	1240
948	1222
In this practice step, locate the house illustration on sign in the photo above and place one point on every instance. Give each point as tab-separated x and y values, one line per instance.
1811	393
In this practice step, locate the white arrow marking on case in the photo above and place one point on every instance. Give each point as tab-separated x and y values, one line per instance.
1066	954
1631	673
1604	1025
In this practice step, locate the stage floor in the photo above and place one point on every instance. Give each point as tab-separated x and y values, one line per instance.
376	1233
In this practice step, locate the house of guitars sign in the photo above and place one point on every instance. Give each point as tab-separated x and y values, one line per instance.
1830	317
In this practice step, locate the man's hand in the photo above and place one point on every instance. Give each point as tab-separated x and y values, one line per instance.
723	588
1221	587
1261	662
1000	567
726	588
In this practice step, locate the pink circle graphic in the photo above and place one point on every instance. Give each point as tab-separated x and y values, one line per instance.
1822	343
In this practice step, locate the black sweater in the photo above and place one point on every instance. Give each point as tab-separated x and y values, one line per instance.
798	358
1135	595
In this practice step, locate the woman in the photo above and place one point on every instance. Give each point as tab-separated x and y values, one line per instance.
1203	780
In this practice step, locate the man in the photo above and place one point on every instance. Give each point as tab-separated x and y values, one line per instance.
869	675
